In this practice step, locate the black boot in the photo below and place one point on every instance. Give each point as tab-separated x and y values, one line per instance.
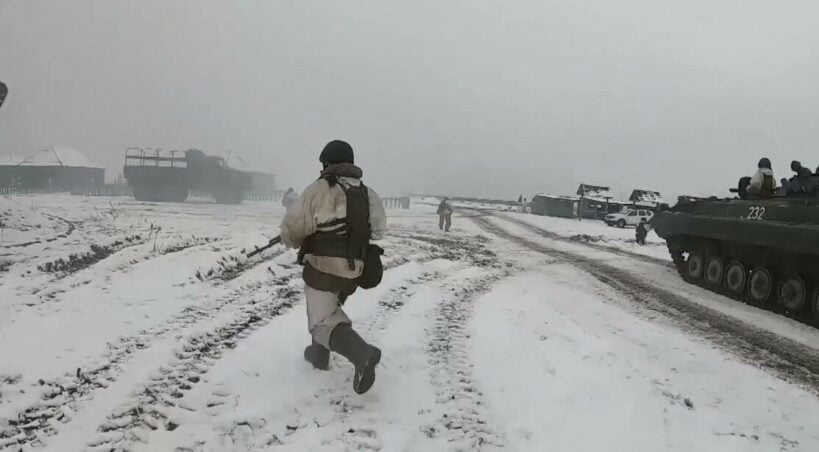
317	355
346	342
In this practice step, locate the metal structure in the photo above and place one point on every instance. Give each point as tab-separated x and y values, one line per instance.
170	176
761	251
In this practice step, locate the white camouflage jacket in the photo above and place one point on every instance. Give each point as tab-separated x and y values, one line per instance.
320	204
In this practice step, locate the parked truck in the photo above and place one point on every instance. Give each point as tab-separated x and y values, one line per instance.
170	176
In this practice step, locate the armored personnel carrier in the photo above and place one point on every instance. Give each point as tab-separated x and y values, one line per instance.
761	251
170	176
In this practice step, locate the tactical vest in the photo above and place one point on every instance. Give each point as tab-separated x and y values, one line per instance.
767	189
346	237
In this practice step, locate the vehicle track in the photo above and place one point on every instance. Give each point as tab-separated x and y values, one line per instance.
450	368
69	230
471	249
63	395
575	239
76	262
359	432
231	265
153	407
463	421
783	357
362	433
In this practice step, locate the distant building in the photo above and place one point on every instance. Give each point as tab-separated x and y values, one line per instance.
555	206
597	201
56	168
646	198
591	201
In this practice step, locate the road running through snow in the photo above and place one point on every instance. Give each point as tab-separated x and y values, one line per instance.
491	342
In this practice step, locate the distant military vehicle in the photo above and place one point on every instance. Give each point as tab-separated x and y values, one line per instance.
762	251
170	176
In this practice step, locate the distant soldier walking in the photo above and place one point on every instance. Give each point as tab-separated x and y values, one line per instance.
289	197
642	231
332	222
444	215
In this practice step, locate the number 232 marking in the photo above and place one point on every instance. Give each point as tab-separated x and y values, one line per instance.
755	213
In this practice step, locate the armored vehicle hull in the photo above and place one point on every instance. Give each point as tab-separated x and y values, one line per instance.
764	252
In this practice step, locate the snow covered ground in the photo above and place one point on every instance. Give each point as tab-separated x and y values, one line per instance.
597	233
143	327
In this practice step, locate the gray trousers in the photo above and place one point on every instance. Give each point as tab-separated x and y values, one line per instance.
445	221
324	313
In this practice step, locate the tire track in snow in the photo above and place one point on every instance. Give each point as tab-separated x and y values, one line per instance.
364	436
362	433
65	282
61	397
69	230
64	396
787	359
234	264
360	429
578	240
463	420
155	407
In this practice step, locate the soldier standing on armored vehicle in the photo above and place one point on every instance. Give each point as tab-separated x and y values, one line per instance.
332	222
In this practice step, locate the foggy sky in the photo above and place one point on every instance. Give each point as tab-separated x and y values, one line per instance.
479	97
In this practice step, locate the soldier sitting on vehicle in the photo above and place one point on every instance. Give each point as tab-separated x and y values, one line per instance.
801	171
763	184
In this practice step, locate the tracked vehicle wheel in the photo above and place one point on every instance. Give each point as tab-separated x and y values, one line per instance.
714	271
760	285
793	293
694	266
736	276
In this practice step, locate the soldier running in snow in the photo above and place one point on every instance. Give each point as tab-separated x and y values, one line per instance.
332	222
444	215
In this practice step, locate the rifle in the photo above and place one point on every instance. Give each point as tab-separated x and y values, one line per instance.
274	241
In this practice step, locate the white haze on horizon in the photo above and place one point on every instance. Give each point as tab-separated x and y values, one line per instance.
474	98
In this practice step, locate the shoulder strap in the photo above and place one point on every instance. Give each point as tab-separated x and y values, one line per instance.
331	179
